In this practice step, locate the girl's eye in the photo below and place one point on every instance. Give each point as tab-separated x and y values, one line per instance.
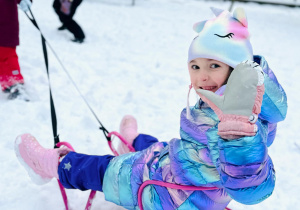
214	66
195	67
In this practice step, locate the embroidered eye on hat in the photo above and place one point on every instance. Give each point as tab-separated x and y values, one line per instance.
224	38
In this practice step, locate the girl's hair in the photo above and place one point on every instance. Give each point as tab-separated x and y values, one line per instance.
230	69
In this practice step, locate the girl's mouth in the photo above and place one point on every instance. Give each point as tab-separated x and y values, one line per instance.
208	87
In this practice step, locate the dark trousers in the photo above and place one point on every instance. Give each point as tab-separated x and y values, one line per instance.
67	20
86	172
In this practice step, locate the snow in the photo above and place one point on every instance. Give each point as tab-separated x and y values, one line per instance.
133	62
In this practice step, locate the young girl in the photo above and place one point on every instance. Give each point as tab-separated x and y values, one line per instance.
224	137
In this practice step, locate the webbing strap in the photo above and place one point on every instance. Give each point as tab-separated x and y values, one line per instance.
52	108
168	185
155	182
53	114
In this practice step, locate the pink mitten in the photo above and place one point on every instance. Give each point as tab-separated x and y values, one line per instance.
240	105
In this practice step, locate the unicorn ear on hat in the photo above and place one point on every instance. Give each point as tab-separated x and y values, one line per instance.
216	11
199	26
240	15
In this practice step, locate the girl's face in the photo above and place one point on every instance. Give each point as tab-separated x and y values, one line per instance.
208	74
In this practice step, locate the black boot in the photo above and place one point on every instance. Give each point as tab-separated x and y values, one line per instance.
78	40
63	27
17	91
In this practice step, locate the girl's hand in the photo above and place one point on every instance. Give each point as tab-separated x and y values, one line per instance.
240	105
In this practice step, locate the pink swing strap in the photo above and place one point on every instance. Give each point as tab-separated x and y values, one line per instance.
169	185
62	189
93	193
130	147
63	194
153	182
140	191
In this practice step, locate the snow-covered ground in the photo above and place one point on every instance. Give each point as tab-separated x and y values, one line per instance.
134	62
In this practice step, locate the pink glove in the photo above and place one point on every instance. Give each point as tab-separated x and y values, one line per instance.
240	105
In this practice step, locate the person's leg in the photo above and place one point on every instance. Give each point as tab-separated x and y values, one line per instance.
83	172
68	21
129	130
76	30
143	141
40	163
56	6
10	73
73	26
74	6
75	171
62	17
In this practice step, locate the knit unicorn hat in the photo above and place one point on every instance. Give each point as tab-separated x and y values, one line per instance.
224	38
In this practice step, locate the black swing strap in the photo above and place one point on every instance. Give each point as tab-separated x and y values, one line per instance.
52	108
53	113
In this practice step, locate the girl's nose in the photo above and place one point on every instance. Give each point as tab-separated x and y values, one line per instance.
203	76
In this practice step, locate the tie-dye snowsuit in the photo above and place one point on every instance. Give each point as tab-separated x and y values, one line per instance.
241	168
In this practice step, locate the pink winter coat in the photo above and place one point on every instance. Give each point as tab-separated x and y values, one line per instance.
9	23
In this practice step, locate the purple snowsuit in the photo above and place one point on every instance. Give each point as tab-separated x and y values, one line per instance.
240	168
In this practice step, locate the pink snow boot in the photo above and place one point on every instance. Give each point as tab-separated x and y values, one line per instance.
128	130
40	163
